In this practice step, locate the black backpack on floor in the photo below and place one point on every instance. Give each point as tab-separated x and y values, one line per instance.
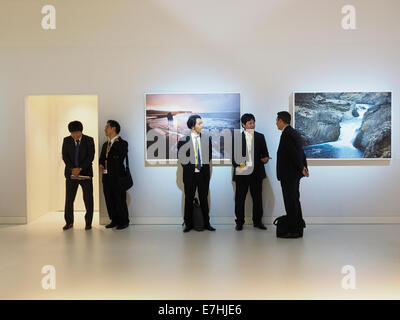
198	219
281	224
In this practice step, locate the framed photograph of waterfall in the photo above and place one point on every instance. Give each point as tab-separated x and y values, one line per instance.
344	125
166	115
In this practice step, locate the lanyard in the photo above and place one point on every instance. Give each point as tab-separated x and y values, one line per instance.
107	151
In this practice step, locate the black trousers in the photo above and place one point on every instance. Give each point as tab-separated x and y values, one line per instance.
115	198
242	187
201	183
71	187
291	198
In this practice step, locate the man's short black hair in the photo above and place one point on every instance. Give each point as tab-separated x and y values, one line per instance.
192	120
75	126
247	117
285	116
114	124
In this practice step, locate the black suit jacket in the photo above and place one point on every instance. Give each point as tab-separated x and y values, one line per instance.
116	158
291	158
86	155
189	168
260	151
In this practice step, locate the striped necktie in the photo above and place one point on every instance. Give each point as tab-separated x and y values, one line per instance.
198	166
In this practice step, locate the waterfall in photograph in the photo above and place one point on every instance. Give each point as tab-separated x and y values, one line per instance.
344	125
343	147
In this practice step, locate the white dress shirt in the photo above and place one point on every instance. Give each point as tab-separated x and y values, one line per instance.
80	140
112	140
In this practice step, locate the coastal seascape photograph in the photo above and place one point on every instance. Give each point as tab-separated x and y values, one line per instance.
168	114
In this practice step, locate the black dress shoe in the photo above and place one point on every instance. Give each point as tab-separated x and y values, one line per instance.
123	226
260	226
187	229
111	225
68	226
209	228
88	227
239	227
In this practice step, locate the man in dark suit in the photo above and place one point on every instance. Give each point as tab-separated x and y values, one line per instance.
251	172
291	166
78	154
194	154
112	157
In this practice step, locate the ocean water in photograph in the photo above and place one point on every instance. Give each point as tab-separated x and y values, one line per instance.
173	127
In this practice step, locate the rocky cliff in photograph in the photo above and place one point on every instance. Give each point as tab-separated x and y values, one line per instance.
344	124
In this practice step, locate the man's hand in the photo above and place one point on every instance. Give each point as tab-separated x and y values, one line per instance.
265	160
305	172
101	167
76	172
239	170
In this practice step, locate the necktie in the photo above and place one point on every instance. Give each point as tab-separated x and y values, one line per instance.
76	156
198	166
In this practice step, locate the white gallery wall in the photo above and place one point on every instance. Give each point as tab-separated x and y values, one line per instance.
264	49
47	119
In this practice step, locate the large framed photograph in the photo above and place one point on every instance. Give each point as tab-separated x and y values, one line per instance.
166	115
344	125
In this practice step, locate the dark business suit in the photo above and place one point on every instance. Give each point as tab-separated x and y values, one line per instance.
253	179
84	161
114	194
193	180
291	160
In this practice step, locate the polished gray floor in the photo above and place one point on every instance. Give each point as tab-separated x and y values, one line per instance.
161	262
